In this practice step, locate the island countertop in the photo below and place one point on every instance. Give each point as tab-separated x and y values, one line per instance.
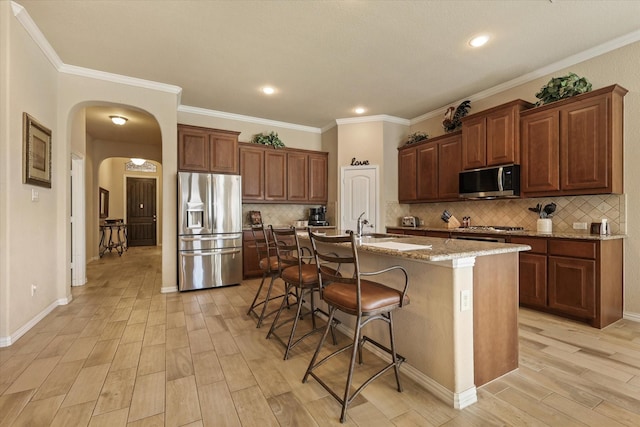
433	248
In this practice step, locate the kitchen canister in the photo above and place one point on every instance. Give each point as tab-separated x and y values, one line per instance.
545	225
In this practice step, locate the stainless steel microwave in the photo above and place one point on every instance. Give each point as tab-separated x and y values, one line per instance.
488	183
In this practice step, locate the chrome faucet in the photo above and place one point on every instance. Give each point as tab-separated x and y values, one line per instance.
361	224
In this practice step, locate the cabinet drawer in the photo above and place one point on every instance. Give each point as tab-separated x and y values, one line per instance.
572	248
538	246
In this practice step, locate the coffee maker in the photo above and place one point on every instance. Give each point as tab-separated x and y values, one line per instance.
317	216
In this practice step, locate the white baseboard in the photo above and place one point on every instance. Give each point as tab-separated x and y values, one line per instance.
456	400
168	289
7	341
629	315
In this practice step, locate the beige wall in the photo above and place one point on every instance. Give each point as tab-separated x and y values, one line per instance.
619	66
28	230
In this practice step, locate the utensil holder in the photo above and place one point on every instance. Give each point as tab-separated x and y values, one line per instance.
453	222
544	225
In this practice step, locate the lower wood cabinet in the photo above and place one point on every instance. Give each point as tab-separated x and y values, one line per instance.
579	279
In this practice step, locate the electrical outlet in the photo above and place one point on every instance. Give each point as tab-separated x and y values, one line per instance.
579	225
465	300
33	289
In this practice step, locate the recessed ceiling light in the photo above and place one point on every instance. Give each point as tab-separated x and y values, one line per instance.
118	120
268	90
360	110
478	41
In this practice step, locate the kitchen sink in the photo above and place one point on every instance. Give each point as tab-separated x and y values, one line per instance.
381	237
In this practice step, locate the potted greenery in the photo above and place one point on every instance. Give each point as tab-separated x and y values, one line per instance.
562	87
416	137
271	139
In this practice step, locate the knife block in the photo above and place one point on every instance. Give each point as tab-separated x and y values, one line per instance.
453	222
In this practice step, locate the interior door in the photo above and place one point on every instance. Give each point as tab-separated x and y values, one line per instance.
141	211
359	194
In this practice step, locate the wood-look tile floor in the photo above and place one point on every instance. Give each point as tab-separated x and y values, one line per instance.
121	353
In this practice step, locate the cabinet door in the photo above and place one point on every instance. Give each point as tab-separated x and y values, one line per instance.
533	280
297	177
250	261
407	164
223	153
474	143
252	171
572	286
318	175
584	143
193	150
449	167
502	146
540	171
275	168
427	172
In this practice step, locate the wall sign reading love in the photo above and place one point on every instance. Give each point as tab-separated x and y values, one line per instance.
355	162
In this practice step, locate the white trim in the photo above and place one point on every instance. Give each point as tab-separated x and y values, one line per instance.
7	341
78	221
242	118
378	118
32	29
119	78
168	289
541	72
463	262
629	315
456	400
328	127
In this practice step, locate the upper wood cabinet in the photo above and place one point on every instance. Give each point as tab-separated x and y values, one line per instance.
491	137
574	146
207	150
283	175
428	171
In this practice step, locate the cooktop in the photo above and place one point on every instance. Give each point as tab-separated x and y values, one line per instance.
494	228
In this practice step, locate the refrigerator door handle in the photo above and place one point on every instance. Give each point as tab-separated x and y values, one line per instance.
211	252
220	237
209	204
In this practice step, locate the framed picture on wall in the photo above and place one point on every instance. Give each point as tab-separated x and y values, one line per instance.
104	203
36	152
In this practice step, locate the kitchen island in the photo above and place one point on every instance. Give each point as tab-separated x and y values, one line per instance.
460	330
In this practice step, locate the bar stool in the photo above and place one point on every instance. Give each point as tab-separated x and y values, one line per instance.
301	279
355	296
270	268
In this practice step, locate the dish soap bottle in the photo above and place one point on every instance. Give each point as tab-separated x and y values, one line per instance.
604	227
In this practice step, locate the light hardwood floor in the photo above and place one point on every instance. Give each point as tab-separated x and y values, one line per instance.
121	354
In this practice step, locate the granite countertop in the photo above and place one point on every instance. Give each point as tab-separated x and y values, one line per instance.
524	233
440	249
247	227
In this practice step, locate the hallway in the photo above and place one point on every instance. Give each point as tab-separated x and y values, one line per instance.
122	354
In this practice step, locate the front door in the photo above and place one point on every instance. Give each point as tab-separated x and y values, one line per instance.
360	194
141	211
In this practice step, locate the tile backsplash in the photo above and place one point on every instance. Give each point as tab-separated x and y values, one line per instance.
278	214
515	212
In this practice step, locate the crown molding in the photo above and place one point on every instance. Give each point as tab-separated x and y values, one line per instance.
541	72
119	78
242	118
378	118
32	29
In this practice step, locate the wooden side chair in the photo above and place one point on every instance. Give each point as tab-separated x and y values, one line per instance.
356	296
301	279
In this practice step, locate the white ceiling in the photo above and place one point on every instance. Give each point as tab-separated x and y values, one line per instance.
399	58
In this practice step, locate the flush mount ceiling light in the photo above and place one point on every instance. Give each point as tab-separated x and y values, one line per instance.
118	120
478	41
138	162
359	110
268	90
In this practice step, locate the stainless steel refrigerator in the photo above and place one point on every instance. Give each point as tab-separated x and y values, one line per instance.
209	230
